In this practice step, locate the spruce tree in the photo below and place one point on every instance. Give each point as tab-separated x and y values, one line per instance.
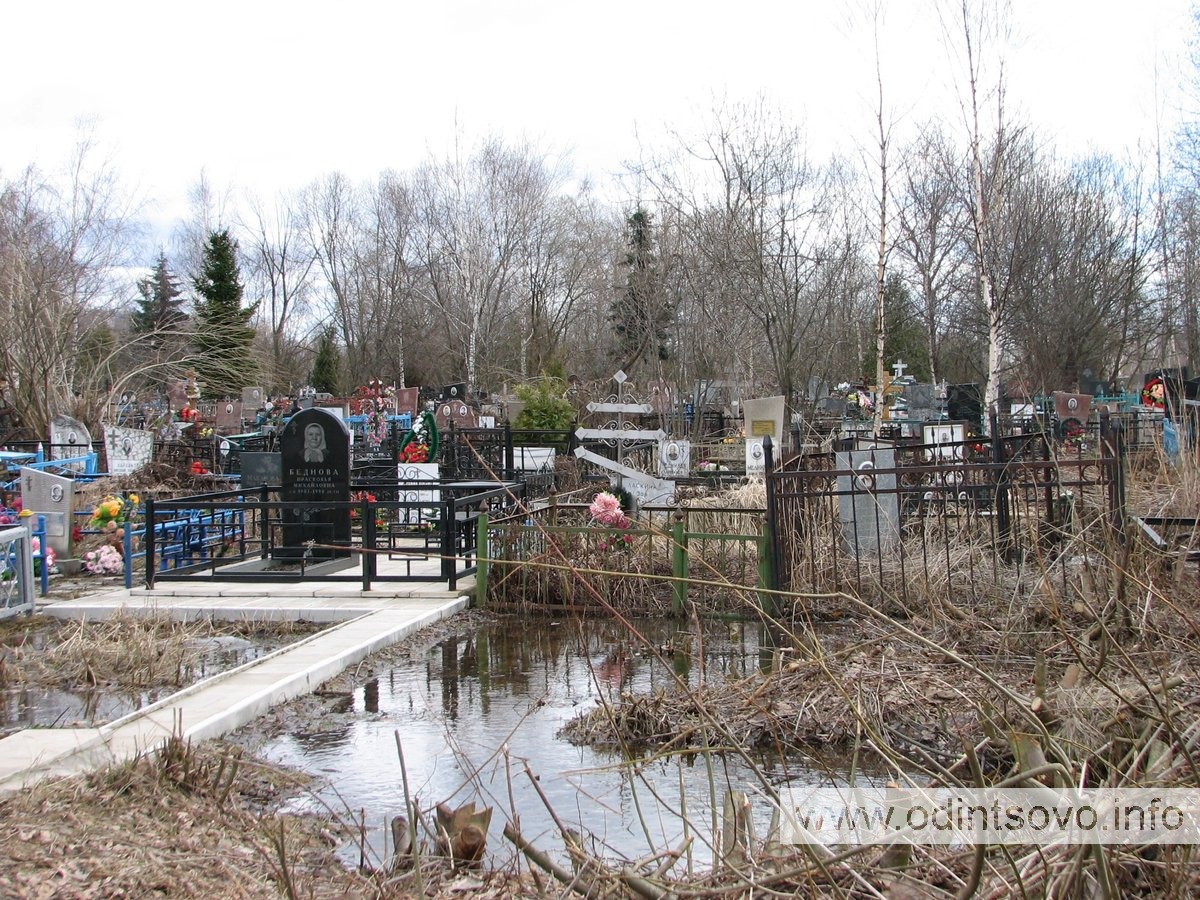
326	371
161	305
641	316
223	336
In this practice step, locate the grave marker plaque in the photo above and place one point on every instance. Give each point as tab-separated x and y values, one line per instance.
315	451
127	449
868	505
763	417
69	438
52	496
1072	406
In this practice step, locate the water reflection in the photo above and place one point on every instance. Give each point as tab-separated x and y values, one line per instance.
479	706
84	707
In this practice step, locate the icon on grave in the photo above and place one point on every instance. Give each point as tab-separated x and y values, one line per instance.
72	438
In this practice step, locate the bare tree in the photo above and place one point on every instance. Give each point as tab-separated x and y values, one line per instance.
281	270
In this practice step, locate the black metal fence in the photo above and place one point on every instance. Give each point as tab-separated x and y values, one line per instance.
244	536
954	520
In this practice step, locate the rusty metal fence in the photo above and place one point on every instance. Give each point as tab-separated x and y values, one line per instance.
955	520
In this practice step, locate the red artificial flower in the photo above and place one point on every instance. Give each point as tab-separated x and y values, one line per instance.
198	468
414	453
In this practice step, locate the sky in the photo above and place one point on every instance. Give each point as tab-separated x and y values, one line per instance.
266	96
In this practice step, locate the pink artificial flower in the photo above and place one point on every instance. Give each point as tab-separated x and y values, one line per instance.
606	509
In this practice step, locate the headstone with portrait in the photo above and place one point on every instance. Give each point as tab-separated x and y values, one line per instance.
315	451
69	438
868	505
762	418
228	416
52	496
127	449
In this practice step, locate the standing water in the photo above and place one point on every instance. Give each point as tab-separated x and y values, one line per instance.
472	711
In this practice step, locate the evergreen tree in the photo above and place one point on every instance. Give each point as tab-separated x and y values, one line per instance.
906	339
326	370
161	305
223	336
641	316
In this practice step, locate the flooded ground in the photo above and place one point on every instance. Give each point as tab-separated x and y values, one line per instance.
38	705
470	711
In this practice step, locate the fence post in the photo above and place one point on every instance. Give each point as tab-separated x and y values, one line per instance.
679	565
482	556
773	577
510	461
447	544
367	512
127	548
767	601
44	576
1000	498
1112	449
149	539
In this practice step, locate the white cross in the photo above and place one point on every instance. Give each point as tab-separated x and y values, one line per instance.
898	368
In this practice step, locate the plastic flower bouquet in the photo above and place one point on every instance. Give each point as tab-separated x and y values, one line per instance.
105	561
109	514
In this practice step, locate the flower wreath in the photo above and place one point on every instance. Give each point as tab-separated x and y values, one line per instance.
420	444
1154	394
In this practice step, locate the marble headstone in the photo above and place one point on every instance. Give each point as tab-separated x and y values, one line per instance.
763	417
674	459
922	403
52	496
69	438
756	456
315	450
868	505
127	449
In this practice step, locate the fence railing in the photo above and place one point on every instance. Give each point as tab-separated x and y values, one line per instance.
252	536
669	558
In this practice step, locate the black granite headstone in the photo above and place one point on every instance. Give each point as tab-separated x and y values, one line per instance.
259	468
315	447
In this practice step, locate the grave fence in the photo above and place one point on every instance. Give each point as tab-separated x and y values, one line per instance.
958	520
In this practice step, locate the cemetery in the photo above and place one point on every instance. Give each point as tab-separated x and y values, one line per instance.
765	556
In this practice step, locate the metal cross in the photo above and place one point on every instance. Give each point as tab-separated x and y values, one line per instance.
898	368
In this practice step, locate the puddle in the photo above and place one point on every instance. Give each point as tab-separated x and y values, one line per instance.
471	711
43	707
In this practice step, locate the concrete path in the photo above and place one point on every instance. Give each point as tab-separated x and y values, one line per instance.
367	621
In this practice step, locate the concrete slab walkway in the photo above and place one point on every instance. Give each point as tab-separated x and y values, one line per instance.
367	621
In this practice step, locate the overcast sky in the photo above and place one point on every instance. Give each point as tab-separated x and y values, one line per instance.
267	96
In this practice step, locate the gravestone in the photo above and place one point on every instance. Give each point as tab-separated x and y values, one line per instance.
674	459
868	505
69	438
455	391
407	400
229	416
762	418
1068	407
944	442
260	468
922	404
52	496
253	398
315	451
127	449
833	406
456	412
